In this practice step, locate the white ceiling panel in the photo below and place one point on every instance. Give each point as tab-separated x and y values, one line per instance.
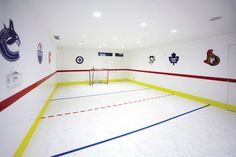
121	19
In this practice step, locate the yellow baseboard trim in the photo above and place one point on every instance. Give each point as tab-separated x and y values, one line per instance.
189	96
20	150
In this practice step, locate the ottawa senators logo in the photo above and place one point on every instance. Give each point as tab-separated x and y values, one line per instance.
212	59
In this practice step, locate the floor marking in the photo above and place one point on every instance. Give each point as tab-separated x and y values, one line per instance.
84	96
103	107
129	133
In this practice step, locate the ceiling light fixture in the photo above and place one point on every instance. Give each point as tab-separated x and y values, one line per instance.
97	14
143	24
115	39
138	42
82	42
173	31
85	36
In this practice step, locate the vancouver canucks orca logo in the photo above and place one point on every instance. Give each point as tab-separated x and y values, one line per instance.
8	37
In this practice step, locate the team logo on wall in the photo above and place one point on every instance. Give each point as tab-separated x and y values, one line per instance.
40	53
212	59
49	57
9	37
152	59
173	58
79	59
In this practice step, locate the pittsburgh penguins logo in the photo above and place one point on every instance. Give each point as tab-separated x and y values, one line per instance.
152	59
79	59
9	37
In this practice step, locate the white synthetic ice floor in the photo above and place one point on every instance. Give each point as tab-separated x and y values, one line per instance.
128	120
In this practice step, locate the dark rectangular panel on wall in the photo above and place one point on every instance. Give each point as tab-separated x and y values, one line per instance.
105	54
119	54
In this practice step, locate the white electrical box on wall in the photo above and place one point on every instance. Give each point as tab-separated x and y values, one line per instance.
14	80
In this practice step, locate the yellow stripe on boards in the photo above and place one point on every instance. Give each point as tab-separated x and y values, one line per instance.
189	96
20	150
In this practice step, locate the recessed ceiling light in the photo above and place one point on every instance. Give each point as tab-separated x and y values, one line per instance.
114	38
138	42
97	14
85	36
143	24
215	18
173	31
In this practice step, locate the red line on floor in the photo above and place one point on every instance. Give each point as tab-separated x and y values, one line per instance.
103	107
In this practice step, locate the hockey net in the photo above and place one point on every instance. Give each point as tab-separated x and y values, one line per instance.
98	75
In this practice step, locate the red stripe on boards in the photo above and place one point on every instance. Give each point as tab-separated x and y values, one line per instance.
10	100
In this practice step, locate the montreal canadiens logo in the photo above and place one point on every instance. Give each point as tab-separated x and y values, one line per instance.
40	53
79	59
9	43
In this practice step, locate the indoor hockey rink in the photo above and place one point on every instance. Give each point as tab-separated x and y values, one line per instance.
117	78
125	119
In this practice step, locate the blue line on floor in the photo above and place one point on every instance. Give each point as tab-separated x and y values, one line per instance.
83	96
126	134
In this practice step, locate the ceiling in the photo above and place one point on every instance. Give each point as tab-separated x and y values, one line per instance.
119	27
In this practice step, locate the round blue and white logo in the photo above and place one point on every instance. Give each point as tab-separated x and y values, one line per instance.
40	53
79	59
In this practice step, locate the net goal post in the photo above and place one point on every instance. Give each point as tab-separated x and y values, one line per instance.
98	75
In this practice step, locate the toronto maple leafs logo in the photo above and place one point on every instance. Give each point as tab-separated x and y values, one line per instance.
152	59
8	37
173	58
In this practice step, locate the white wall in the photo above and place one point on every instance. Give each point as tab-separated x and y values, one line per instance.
16	119
192	54
66	61
232	73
